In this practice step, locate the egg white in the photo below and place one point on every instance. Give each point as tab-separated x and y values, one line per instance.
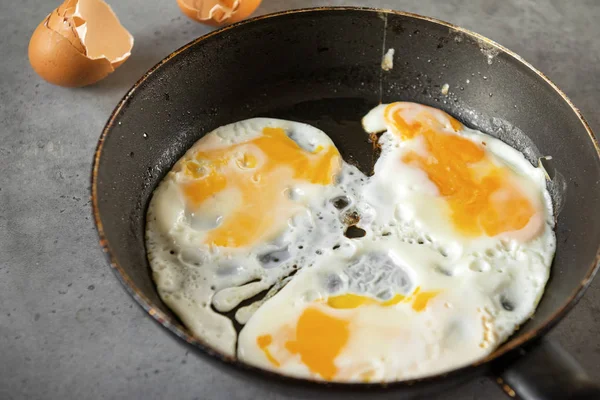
487	285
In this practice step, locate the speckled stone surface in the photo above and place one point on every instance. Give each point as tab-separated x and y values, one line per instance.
67	327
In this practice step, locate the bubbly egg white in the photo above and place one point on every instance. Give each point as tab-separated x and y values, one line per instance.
406	297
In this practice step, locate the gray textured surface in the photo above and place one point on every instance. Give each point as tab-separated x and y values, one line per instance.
67	328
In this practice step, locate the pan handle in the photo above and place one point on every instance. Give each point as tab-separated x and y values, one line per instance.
545	371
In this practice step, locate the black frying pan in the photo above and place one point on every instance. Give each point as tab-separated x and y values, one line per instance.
323	67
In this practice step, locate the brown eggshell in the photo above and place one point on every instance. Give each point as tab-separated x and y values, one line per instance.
246	8
189	12
79	43
55	59
65	27
67	8
227	12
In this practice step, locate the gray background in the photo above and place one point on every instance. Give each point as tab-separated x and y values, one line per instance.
67	328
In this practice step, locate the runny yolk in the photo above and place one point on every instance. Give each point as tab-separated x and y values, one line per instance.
350	300
482	196
422	299
265	202
319	339
264	342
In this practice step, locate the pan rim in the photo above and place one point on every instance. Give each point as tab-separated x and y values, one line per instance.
179	331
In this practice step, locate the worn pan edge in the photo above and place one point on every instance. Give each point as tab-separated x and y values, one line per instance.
179	331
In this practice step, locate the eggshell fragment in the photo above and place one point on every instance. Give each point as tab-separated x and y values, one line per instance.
79	43
218	12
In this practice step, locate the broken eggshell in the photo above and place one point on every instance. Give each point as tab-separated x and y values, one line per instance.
79	43
218	12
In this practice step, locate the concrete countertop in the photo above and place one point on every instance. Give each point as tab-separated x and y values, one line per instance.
67	327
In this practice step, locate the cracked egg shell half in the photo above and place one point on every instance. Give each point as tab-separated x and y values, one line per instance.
79	43
218	12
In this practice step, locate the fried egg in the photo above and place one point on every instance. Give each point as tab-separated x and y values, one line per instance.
425	266
453	181
245	207
382	314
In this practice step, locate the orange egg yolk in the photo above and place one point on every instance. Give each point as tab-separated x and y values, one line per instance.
350	300
320	337
262	169
418	298
483	197
264	342
319	340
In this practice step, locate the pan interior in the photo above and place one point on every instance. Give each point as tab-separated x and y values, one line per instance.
323	67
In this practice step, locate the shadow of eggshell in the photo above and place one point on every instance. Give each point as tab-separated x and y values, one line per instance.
79	43
218	12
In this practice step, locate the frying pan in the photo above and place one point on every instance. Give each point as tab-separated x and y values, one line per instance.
323	67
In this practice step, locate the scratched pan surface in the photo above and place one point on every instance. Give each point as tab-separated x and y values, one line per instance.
323	67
